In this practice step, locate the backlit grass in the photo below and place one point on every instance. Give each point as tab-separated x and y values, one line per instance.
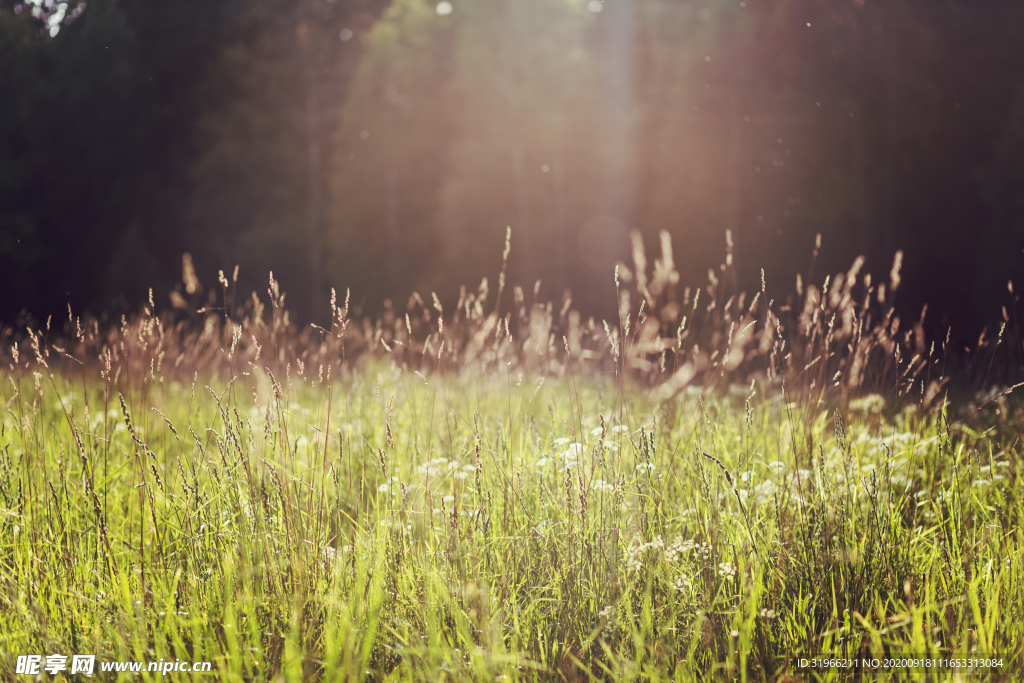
429	498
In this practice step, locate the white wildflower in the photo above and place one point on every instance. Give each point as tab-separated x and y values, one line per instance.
574	450
871	404
681	583
764	491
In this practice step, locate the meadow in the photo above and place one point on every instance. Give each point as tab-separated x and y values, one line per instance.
711	487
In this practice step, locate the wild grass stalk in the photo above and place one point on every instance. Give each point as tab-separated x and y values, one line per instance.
853	509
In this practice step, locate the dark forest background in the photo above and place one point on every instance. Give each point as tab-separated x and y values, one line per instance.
385	146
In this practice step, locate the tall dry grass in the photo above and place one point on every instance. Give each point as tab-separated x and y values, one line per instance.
706	487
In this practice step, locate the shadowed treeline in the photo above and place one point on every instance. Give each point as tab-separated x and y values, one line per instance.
386	147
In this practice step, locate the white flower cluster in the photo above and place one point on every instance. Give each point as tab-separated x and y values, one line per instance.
574	450
635	557
727	570
764	491
681	583
440	466
433	468
767	613
675	552
601	485
871	404
567	459
679	548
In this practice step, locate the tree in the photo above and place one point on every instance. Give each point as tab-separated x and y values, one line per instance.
101	105
272	102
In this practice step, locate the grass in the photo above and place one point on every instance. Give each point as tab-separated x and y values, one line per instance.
460	497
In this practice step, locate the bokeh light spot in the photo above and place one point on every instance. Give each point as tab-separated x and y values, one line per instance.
444	9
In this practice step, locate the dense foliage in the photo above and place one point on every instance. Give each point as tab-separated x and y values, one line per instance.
384	146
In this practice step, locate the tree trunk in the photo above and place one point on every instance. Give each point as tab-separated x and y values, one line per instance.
315	167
